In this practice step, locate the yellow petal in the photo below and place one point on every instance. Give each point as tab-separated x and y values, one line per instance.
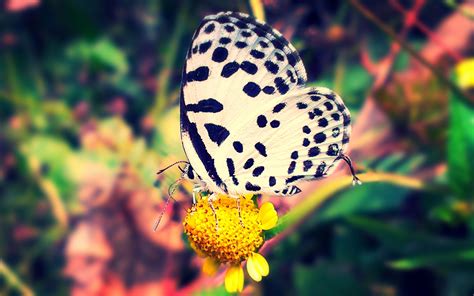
210	266
252	270
261	264
234	279
268	216
257	267
267	206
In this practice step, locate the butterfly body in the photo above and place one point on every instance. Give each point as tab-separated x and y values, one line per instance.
248	122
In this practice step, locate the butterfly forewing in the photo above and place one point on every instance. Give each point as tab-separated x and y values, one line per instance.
238	73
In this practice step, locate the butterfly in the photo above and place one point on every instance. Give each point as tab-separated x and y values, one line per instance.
249	125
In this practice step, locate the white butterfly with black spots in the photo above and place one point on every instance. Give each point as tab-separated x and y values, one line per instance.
248	122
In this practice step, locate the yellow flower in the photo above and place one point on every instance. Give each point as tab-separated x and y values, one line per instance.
228	236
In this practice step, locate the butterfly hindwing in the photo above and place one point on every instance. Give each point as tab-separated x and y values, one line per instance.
300	136
237	73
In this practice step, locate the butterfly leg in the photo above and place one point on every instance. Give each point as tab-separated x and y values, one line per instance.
240	215
210	200
355	179
196	189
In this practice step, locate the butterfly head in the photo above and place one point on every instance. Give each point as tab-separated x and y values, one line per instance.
190	174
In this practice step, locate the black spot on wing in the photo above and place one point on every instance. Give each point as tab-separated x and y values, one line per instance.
317	112
323	122
278	107
307	164
268	90
249	163
271	67
229	69
251	187
200	74
249	67
261	149
328	106
275	123
261	121
306	129
230	166
217	133
251	89
210	28
306	142
271	181
225	40
257	54
335	132
231	169
229	28
258	171
279	56
281	85
238	146
335	116
292	167
241	44
209	106
204	47
294	155
291	76
319	138
314	151
220	54
246	33
301	105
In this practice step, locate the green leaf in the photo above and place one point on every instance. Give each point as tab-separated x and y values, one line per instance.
52	155
392	235
326	279
100	54
364	199
461	146
434	258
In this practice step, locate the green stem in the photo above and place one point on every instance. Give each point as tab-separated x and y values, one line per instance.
13	280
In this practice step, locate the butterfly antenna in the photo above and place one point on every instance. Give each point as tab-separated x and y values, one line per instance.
171	191
355	179
171	165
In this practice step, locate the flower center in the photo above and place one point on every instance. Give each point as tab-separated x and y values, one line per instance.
231	241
